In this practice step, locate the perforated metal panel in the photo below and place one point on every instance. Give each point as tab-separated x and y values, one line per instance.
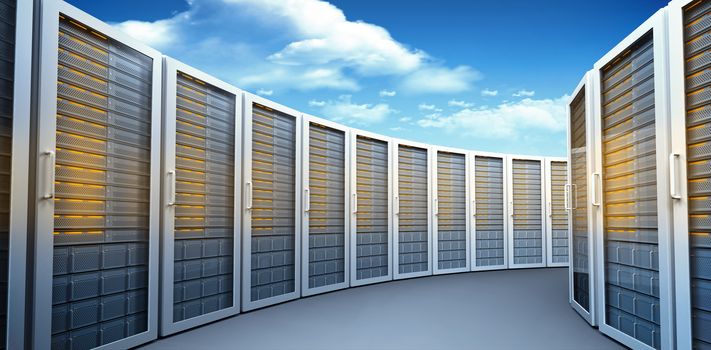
581	249
697	31
274	211
413	243
326	214
630	194
204	207
102	198
489	202
527	212
559	216
452	212
372	216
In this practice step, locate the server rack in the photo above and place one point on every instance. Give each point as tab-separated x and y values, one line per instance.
689	24
527	224
582	200
556	212
489	195
412	174
371	239
16	47
97	198
634	223
326	206
200	231
271	219
450	210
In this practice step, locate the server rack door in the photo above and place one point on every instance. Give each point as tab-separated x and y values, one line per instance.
15	77
450	215
489	241
326	212
632	152
371	222
580	202
271	258
201	177
412	251
527	223
556	214
97	202
690	170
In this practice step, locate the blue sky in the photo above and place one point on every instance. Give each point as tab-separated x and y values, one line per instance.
490	76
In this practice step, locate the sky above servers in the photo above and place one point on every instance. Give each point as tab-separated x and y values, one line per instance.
483	75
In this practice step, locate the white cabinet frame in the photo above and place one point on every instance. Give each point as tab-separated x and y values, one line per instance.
549	212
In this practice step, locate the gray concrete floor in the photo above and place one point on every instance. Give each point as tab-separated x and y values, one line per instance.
511	309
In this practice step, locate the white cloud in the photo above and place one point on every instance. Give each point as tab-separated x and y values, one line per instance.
427	107
405	119
440	80
314	103
157	34
505	121
387	93
345	110
489	93
524	93
309	79
462	104
264	92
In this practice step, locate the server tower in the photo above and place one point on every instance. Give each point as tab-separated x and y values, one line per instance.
556	212
527	224
489	212
582	199
450	215
371	238
271	220
690	169
97	189
15	77
326	207
412	169
634	223
200	231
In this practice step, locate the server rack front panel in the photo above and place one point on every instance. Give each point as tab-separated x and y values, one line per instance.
200	232
556	213
412	208
99	141
489	213
371	237
325	244
272	194
526	210
450	219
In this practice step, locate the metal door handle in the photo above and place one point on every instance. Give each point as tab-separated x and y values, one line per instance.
248	193
550	209
673	169
397	205
355	203
307	200
511	209
474	207
566	195
171	182
595	183
50	175
436	206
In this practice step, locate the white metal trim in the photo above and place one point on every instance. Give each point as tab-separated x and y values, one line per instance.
549	211
505	200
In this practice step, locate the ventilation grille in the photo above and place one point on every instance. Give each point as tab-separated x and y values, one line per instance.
413	244
204	209
372	216
579	200
630	194
527	212
273	207
452	218
489	197
327	211
100	292
559	216
697	17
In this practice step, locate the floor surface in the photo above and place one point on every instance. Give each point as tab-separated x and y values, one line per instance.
509	309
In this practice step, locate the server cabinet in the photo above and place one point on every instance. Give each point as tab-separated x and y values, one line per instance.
634	223
690	168
200	226
450	210
582	200
271	219
556	212
326	209
489	212
15	77
527	233
412	170
371	238
97	198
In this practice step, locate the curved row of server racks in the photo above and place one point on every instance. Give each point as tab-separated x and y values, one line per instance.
640	182
161	198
